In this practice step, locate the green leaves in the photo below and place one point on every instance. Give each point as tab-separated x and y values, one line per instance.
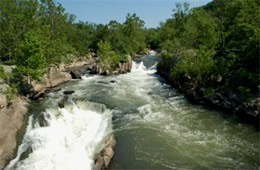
31	58
107	57
197	68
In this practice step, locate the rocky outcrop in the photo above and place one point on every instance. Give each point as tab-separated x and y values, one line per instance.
75	74
88	60
12	117
120	68
54	75
103	158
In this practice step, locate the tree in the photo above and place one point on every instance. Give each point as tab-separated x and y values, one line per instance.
133	29
31	60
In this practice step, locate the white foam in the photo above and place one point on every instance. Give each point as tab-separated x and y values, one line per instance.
69	143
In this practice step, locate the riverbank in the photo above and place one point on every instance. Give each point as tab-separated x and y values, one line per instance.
247	110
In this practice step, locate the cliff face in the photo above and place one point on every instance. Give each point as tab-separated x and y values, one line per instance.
12	117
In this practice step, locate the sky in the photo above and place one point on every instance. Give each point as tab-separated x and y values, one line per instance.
103	11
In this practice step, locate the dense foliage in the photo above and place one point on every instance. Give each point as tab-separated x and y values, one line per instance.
215	46
37	33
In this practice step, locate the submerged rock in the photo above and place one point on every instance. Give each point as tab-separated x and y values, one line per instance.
67	92
112	81
42	118
61	103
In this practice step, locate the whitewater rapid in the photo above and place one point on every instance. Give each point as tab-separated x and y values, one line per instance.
71	138
74	134
155	127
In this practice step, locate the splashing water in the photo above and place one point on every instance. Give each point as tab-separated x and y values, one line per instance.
69	142
155	127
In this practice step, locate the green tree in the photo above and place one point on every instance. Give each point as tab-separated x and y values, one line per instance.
31	60
133	29
107	57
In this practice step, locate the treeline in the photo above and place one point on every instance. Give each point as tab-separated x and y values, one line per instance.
212	49
37	33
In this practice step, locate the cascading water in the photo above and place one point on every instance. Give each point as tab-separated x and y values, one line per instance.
155	127
70	140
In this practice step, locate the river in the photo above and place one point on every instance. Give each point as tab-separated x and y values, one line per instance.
155	127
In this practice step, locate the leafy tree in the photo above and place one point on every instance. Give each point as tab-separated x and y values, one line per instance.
107	57
133	29
31	60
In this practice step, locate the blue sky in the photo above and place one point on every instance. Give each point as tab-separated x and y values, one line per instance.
102	11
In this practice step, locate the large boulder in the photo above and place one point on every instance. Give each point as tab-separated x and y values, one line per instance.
11	121
103	158
54	76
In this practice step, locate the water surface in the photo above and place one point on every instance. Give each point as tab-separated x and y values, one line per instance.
155	127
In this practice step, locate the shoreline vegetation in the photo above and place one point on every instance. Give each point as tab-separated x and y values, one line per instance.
210	53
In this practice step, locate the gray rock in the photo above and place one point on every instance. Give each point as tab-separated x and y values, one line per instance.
38	95
75	74
67	92
43	120
61	103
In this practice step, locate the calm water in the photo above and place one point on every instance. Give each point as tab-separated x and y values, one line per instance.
155	127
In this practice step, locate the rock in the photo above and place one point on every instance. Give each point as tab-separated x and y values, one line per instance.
103	158
43	119
3	101
250	111
26	153
99	165
38	95
93	69
53	90
107	160
54	76
111	142
75	74
67	92
11	122
108	155
112	81
102	82
61	103
121	67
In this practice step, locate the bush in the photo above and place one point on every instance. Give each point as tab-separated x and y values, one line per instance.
107	57
2	73
198	68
